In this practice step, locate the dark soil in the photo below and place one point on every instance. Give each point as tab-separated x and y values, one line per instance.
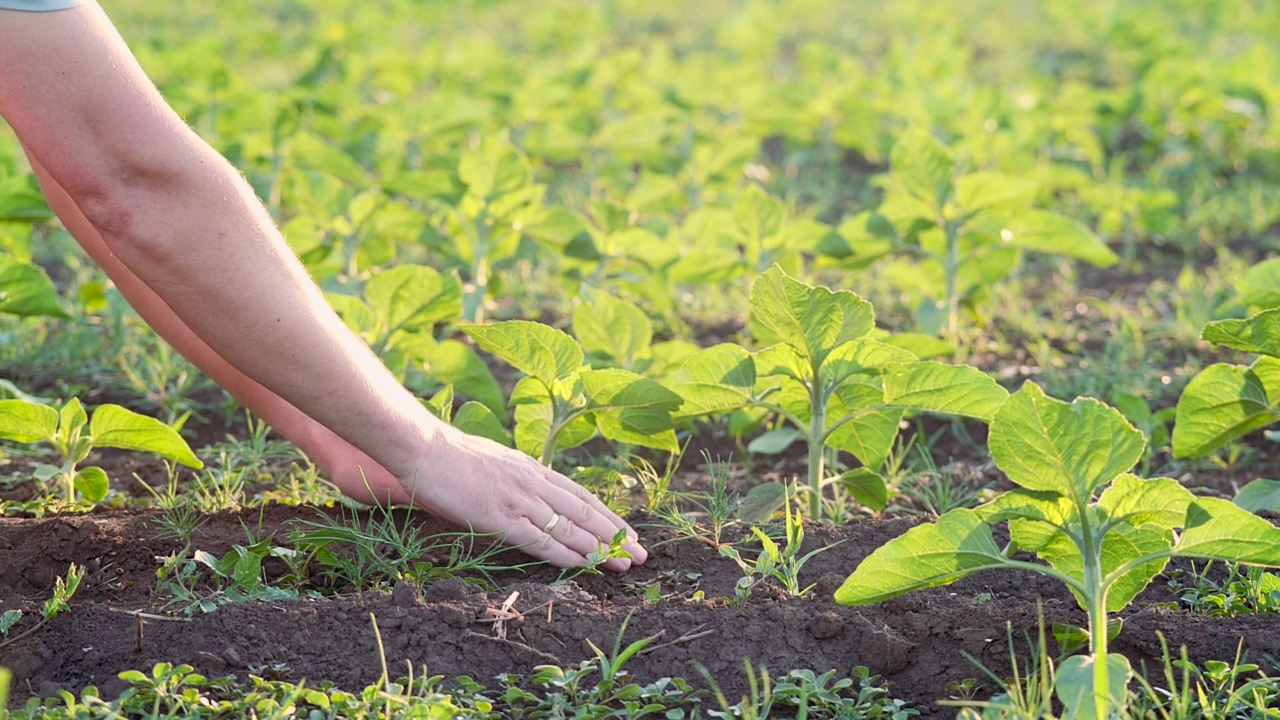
915	642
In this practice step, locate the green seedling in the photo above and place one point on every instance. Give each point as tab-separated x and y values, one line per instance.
1244	590
956	232
1104	533
237	577
780	563
1225	402
833	385
562	402
383	550
63	590
598	557
397	314
25	288
74	436
478	207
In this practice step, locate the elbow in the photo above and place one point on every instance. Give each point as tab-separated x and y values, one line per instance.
136	201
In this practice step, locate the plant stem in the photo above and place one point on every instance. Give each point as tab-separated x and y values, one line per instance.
952	269
1096	596
817	458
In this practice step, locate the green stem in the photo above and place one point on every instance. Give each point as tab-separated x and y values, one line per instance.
1096	599
1098	647
817	458
952	269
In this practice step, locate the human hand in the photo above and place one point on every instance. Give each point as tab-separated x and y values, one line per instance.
472	481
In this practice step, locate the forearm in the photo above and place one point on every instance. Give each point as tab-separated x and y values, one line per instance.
354	472
188	226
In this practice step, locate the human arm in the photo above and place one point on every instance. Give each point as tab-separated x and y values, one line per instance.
187	228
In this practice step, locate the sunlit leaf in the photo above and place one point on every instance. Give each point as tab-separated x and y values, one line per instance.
114	426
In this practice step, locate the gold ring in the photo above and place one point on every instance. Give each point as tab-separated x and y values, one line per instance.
551	524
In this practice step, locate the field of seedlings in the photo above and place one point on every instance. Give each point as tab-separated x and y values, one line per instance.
931	348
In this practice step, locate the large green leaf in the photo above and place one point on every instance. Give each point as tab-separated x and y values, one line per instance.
813	320
1259	285
1049	232
534	417
983	190
26	289
632	408
952	389
1160	501
756	215
456	363
1218	530
114	426
474	418
1123	544
718	379
413	297
926	556
1259	494
612	328
1259	334
495	168
535	349
864	355
923	167
1045	444
27	422
1225	402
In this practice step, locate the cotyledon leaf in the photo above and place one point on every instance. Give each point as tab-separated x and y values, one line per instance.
1259	494
958	544
114	426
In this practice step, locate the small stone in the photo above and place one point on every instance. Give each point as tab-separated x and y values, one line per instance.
232	657
211	662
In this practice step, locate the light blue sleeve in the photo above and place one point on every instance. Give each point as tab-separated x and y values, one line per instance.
39	5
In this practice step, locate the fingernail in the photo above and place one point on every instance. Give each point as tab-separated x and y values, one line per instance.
638	553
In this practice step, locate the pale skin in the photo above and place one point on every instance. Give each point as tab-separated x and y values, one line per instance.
184	239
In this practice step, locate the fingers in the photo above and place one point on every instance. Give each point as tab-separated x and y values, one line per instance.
585	525
524	535
573	501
